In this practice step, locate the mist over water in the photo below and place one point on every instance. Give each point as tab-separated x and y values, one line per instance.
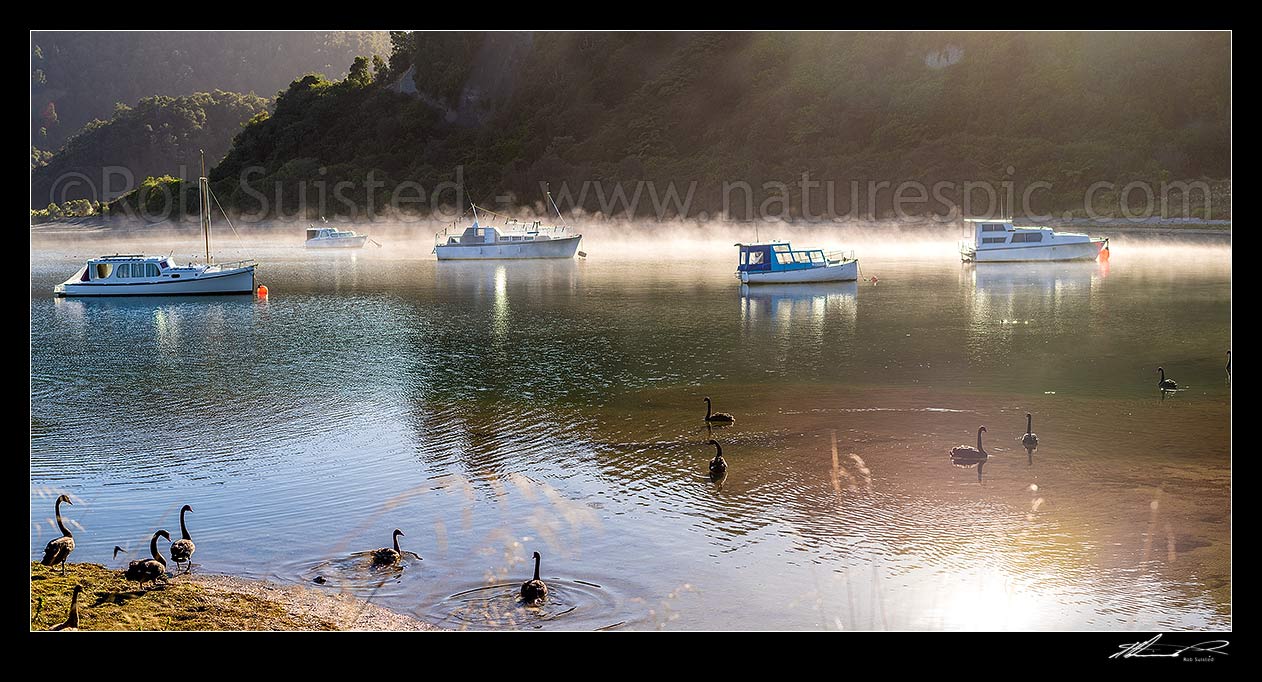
492	409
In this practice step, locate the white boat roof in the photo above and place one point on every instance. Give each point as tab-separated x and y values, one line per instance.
133	256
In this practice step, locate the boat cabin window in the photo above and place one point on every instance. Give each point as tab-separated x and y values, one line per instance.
103	270
801	257
992	227
755	258
784	257
780	248
1027	237
817	257
994	240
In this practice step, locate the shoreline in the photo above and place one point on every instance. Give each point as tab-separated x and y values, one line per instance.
204	602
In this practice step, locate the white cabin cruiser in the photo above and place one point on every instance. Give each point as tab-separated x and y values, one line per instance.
999	241
141	275
779	263
333	238
518	240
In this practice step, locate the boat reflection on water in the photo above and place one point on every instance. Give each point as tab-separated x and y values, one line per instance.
803	304
1008	298
1012	277
497	277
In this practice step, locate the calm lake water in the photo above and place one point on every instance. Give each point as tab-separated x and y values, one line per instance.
494	409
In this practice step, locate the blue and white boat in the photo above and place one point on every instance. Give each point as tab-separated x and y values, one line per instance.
780	263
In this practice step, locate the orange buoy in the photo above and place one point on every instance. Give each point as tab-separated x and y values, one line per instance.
262	291
1104	255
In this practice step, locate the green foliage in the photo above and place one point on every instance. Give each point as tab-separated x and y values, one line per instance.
77	208
402	51
39	157
359	76
160	136
156	199
85	72
443	61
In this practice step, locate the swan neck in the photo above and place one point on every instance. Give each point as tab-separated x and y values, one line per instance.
60	524
153	549
536	567
396	544
979	440
1029	423
183	528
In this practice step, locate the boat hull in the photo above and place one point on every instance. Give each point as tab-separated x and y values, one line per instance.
235	281
842	272
1086	251
356	242
548	248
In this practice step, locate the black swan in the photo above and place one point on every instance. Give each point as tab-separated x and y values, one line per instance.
1030	440
182	549
59	549
534	592
149	570
967	456
717	417
72	620
718	466
387	556
1166	384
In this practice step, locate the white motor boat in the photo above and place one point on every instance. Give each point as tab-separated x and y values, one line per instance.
997	241
518	240
332	238
779	263
141	275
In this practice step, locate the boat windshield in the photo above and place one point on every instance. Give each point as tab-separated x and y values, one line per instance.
762	257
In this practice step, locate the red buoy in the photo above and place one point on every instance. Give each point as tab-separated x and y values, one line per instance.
262	291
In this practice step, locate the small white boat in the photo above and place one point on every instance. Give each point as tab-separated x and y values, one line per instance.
779	263
997	241
332	238
141	275
518	240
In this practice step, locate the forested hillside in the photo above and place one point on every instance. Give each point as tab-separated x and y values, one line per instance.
158	136
78	76
506	112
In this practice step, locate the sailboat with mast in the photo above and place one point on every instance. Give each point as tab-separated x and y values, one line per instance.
141	275
514	239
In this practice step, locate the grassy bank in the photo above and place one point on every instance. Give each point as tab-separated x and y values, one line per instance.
197	602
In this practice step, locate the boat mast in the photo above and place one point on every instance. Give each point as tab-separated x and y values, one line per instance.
204	192
548	192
